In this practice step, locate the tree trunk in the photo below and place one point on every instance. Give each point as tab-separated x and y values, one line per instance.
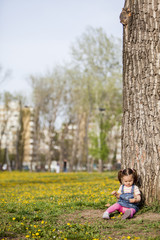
36	138
8	160
63	154
61	157
75	145
87	120
141	93
20	140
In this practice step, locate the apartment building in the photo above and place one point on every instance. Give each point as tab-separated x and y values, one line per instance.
17	127
9	124
28	136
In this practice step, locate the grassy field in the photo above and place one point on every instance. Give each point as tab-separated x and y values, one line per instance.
67	206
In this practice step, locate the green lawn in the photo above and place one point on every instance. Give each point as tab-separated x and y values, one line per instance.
67	206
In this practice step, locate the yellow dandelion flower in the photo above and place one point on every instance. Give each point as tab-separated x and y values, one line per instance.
128	237
13	218
42	222
37	234
27	236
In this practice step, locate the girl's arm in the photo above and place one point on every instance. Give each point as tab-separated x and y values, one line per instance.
116	194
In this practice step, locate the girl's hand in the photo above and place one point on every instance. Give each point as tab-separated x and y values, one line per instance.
115	194
136	199
132	200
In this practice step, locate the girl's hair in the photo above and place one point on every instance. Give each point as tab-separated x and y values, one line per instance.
127	172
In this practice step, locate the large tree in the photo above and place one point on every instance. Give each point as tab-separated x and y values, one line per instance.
141	93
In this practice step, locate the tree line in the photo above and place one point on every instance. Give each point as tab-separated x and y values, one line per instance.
85	95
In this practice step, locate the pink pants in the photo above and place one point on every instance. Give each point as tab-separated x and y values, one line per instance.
119	208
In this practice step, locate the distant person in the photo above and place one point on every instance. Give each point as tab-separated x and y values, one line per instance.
65	165
57	168
128	195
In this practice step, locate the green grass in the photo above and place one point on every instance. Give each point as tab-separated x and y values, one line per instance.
67	206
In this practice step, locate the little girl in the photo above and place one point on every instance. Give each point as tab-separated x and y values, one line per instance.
128	195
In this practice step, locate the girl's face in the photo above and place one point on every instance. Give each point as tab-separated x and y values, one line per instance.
127	180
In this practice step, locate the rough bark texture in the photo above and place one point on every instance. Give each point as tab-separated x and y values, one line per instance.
141	93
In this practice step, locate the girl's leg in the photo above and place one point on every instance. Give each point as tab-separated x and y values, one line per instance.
133	211
123	209
111	209
128	212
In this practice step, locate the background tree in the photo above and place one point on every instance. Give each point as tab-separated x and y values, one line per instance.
4	156
4	74
48	92
21	132
96	82
76	91
141	93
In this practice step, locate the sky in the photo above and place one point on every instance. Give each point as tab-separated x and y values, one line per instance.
36	35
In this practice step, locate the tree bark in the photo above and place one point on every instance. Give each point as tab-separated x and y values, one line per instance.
141	94
75	145
8	160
